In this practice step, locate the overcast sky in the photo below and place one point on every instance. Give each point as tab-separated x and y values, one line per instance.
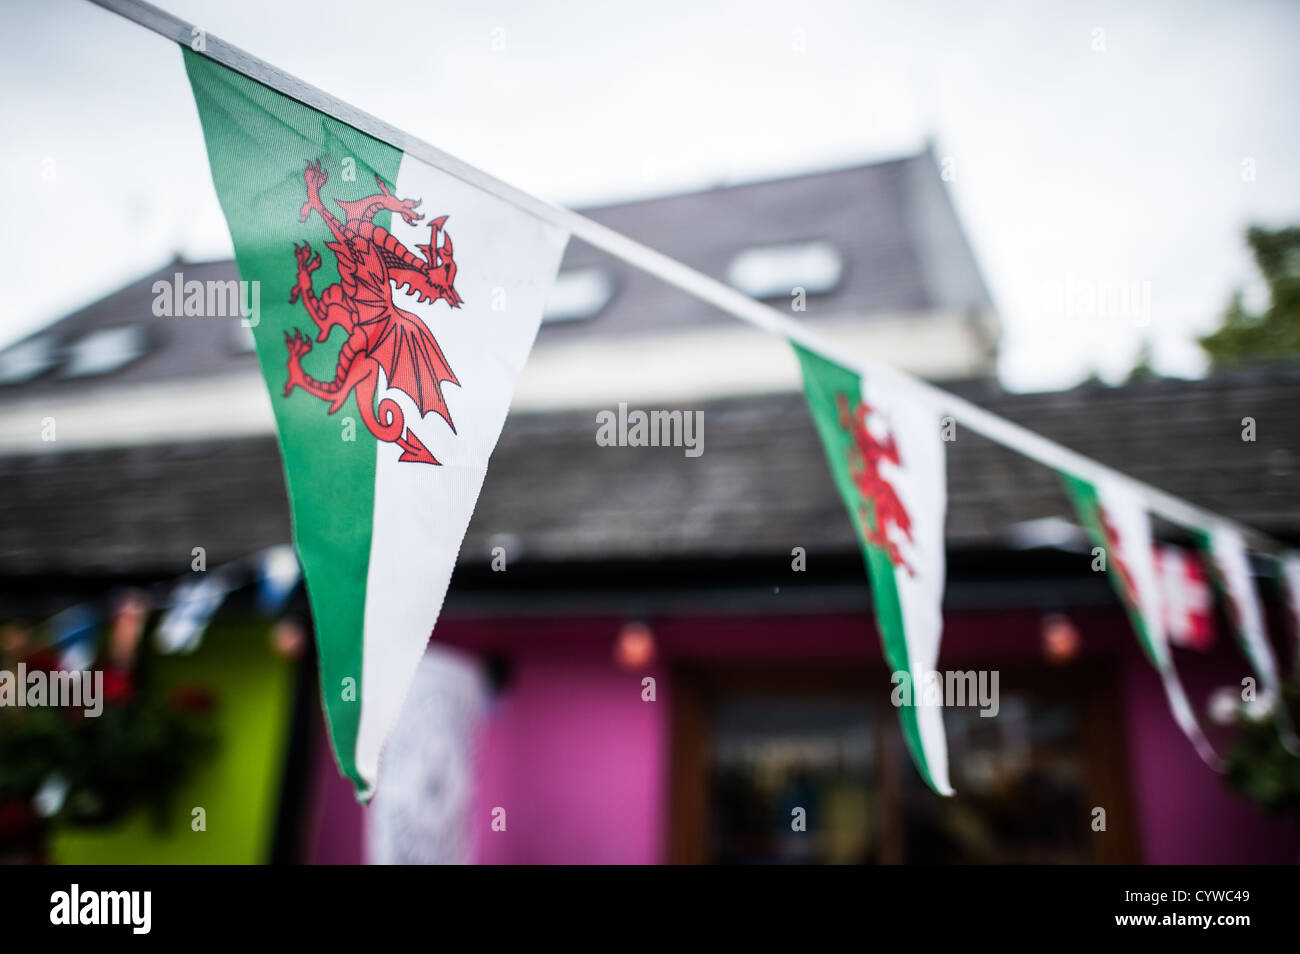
1093	148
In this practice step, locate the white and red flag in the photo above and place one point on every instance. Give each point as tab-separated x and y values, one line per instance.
1118	521
1187	597
391	356
886	453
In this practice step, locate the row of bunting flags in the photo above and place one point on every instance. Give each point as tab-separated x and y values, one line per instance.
350	234
187	606
885	449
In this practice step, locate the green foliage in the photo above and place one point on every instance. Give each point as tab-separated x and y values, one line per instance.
1245	337
132	754
1260	768
1143	369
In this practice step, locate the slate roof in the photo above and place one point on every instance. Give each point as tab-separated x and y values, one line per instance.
173	348
760	487
892	222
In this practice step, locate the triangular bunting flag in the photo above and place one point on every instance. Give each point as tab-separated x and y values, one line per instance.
1118	522
886	453
391	357
1225	551
277	574
1230	567
1187	598
76	635
193	604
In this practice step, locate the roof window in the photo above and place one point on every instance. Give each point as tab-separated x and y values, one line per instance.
103	351
775	271
26	360
578	293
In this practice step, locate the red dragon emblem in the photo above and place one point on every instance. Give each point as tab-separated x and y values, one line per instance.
371	263
880	505
1108	530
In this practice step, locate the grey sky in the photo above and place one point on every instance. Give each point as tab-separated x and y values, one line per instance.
1123	162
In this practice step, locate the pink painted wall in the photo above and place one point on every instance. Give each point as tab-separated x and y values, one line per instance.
580	763
577	760
1185	813
570	751
335	833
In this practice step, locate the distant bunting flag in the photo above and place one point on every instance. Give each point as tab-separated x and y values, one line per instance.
76	637
1225	551
1187	599
391	357
277	574
193	604
885	450
1118	522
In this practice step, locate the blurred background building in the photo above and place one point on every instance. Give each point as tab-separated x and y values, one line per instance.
589	569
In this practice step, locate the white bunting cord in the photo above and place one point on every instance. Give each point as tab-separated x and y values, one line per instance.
1185	716
990	425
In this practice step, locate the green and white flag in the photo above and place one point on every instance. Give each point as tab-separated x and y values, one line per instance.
885	450
1118	522
391	358
1225	551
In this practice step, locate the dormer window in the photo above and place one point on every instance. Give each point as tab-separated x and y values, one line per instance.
103	351
578	293
775	271
26	360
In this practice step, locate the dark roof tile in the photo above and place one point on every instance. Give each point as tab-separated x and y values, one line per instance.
760	488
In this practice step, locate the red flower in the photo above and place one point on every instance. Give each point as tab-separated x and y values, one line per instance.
118	685
191	698
16	818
